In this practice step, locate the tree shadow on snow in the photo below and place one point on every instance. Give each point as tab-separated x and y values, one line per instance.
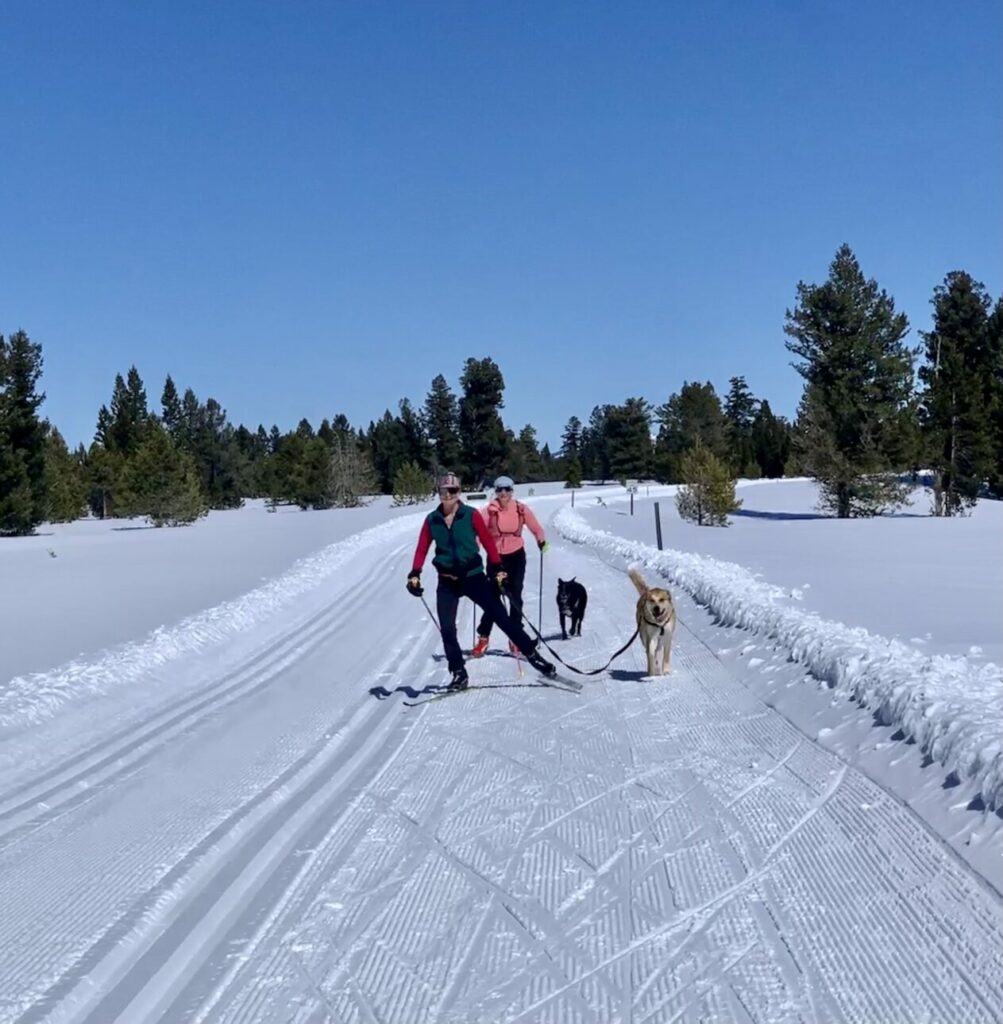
752	513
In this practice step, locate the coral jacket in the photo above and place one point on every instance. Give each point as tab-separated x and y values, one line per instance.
505	525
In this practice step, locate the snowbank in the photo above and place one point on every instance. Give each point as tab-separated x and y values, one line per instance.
31	698
951	707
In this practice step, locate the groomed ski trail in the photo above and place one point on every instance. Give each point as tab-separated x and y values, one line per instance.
285	847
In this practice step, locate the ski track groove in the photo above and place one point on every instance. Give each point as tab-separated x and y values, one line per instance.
82	776
94	906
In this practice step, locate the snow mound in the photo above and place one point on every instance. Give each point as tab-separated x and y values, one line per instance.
30	699
950	706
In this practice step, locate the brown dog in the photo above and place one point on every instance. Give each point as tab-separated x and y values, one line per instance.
656	624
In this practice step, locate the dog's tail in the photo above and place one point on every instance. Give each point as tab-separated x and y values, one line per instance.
635	578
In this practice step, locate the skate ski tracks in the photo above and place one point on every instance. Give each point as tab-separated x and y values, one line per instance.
280	845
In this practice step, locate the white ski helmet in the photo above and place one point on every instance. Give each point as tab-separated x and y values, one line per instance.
504	481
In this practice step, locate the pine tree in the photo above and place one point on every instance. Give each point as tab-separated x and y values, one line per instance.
572	471
103	470
212	444
286	466
353	479
66	488
128	414
482	434
312	484
326	432
17	517
957	403
343	429
858	379
571	439
691	417
417	447
249	449
412	485
22	436
160	482
771	442
442	424
265	464
628	432
707	496
191	420
595	452
102	432
532	460
740	413
170	405
550	468
995	369
388	450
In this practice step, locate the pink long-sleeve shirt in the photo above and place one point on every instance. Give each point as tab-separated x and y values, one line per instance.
506	525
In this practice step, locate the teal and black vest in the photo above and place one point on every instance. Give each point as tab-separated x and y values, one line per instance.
456	551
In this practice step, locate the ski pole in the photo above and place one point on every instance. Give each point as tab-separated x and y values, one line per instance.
540	608
430	615
507	603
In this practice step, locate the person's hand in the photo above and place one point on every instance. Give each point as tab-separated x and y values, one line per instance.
498	574
543	545
414	587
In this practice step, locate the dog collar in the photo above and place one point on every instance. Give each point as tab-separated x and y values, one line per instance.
657	625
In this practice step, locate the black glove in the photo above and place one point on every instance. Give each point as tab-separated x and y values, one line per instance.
414	587
498	574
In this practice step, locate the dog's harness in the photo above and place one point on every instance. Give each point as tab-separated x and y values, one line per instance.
657	625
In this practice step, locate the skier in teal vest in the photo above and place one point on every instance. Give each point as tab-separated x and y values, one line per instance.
456	529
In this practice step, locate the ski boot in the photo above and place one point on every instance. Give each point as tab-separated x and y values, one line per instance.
480	647
459	680
544	667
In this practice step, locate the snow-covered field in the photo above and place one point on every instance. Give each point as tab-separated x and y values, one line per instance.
226	795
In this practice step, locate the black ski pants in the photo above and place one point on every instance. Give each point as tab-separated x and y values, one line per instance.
514	565
484	593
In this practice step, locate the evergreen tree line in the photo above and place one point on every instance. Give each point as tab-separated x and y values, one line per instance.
868	417
639	441
874	412
173	463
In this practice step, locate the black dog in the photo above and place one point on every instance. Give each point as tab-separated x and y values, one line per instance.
572	598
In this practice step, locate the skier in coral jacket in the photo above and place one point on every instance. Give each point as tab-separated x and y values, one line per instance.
456	529
505	517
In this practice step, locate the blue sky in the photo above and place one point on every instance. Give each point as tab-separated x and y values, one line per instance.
310	208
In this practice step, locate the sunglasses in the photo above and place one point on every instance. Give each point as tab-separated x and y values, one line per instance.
449	490
503	490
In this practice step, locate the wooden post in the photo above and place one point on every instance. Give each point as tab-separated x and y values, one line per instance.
658	526
572	497
631	502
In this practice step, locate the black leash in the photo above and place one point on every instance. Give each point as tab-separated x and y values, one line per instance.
580	671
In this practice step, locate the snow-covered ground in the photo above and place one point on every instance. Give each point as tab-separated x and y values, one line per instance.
75	589
226	795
